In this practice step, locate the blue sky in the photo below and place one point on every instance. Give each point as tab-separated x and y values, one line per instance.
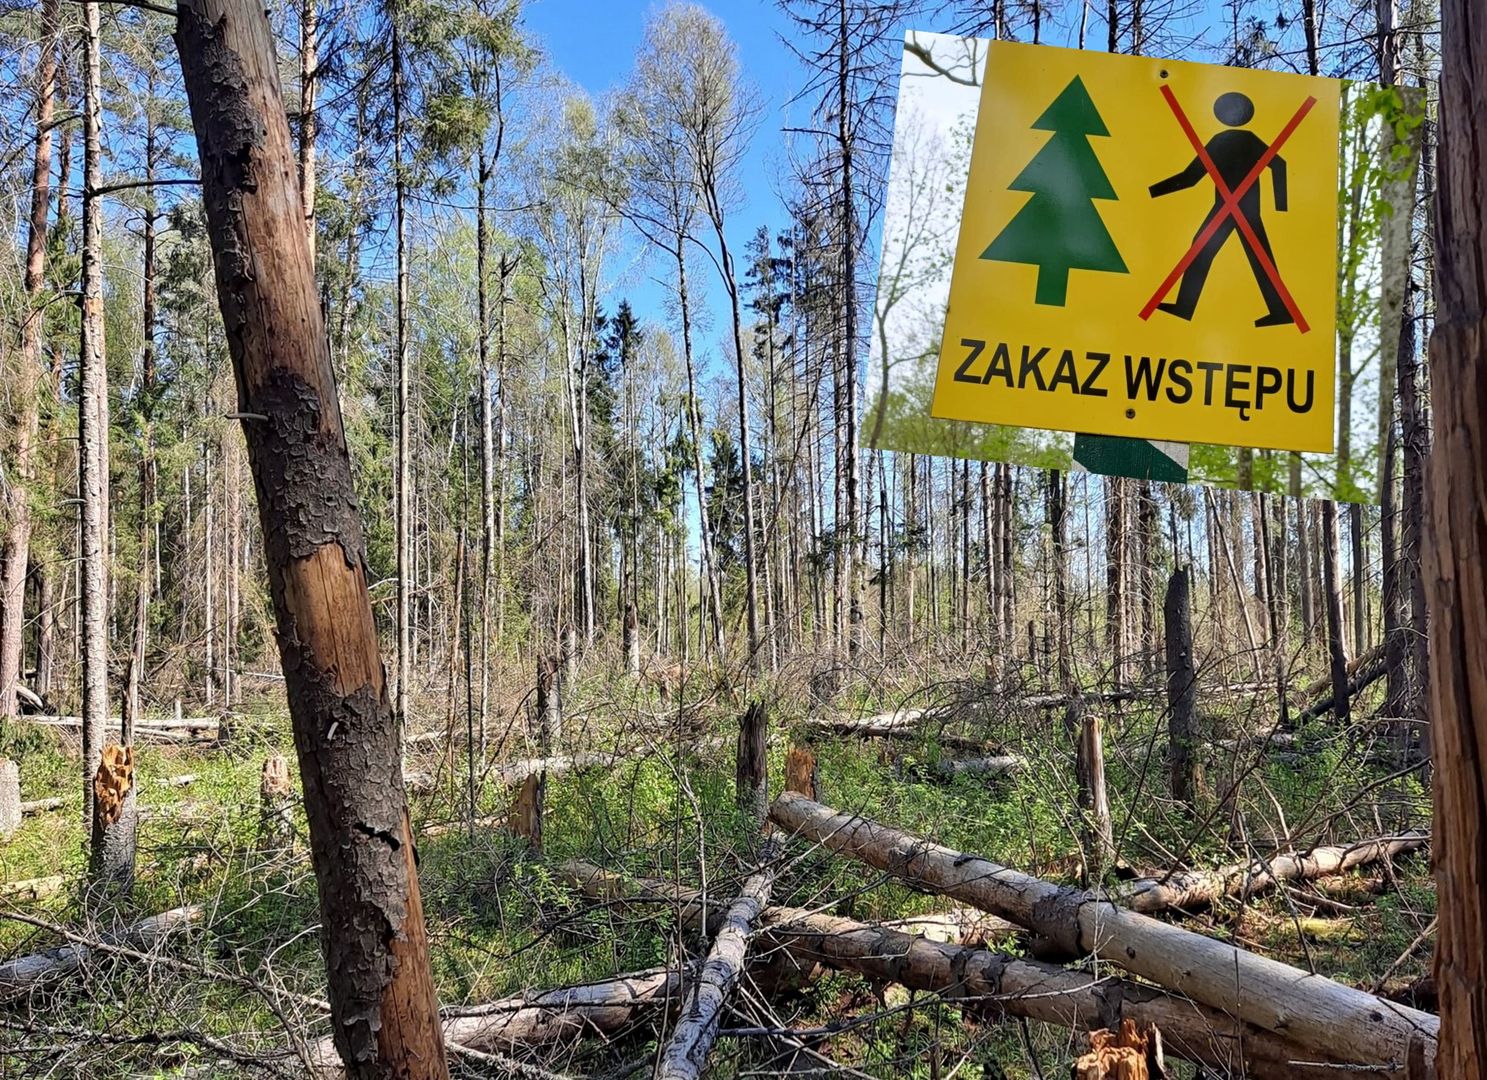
593	44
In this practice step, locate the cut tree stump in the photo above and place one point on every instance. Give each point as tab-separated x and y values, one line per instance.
1310	1010
1127	1054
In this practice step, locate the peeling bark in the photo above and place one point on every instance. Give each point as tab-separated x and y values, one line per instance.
385	1016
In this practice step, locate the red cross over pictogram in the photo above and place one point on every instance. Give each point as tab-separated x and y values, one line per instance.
1231	209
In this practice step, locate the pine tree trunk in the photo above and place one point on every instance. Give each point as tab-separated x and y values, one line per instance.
1115	576
405	568
384	1012
309	80
1455	548
1331	587
93	426
15	548
487	438
1415	450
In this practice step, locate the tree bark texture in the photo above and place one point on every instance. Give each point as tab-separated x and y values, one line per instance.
92	415
15	546
1308	1009
1455	549
1182	690
384	1012
685	1055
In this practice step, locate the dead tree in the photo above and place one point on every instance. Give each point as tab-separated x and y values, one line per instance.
115	820
1094	803
752	779
1337	649
275	814
385	1019
1182	690
1455	555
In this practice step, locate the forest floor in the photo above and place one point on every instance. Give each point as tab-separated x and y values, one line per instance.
233	993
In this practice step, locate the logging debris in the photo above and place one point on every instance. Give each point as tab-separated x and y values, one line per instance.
990	983
1310	1010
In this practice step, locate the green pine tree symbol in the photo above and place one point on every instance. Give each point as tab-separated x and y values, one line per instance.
1059	229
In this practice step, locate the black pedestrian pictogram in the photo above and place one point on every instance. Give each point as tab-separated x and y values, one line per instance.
1234	160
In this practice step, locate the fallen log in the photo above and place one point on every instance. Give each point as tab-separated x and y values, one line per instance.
32	888
516	772
685	1054
1134	693
608	1007
185	723
1026	988
1198	888
1369	671
1310	1010
1362	660
42	806
904	724
957	926
28	972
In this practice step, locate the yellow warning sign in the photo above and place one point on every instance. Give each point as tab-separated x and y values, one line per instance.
1149	249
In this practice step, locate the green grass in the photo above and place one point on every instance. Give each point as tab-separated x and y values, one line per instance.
501	924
